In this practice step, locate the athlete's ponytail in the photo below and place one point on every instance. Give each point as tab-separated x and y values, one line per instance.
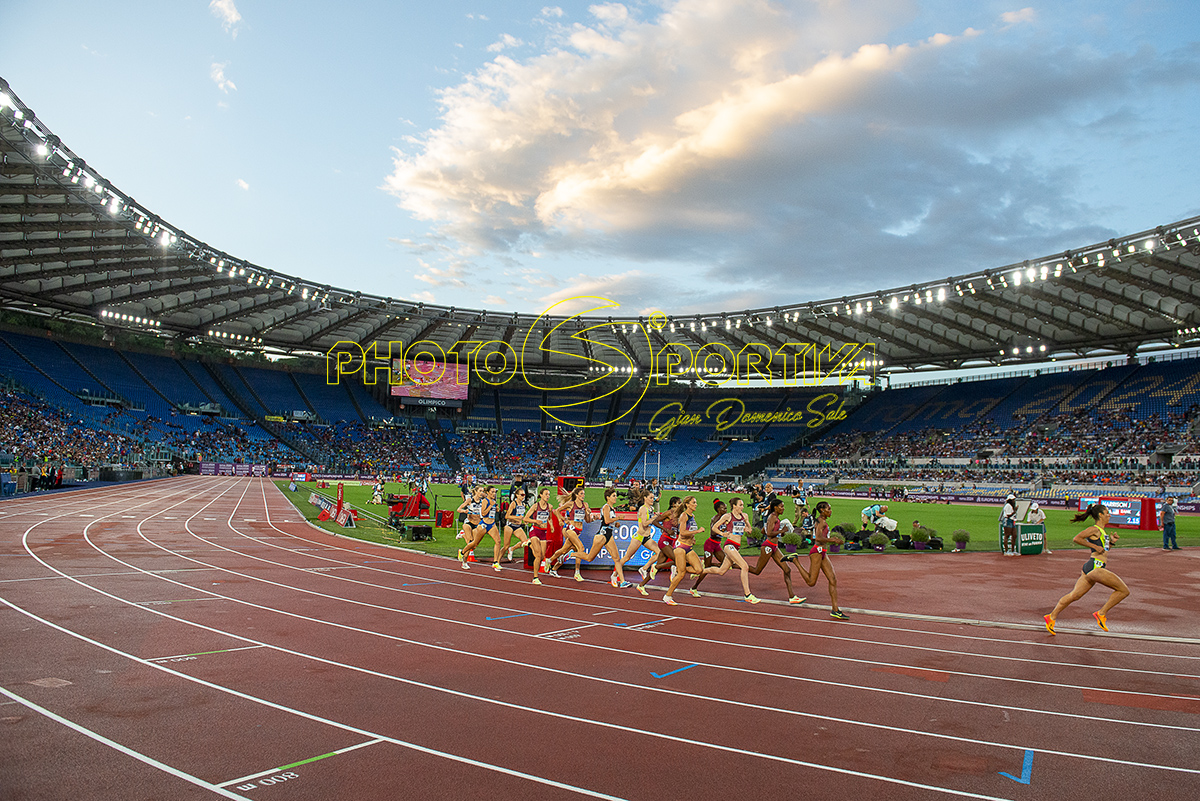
1092	511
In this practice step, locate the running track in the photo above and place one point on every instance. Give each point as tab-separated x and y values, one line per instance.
194	638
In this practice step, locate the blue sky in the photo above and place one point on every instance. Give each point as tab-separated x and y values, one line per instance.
684	156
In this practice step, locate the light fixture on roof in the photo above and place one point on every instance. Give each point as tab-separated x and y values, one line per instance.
941	296
895	304
41	150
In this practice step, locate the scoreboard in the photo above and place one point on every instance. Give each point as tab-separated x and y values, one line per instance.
1140	513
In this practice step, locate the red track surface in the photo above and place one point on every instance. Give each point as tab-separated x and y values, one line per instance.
191	638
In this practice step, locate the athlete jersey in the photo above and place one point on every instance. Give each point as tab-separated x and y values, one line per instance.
737	528
1097	559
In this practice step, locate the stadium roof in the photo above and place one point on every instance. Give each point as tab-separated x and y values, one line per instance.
73	245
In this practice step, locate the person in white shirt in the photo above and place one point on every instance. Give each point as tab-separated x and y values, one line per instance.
1037	516
1008	526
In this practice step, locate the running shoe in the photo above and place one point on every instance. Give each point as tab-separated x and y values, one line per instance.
578	576
642	590
496	566
613	578
464	565
623	585
1101	619
552	572
653	570
537	581
510	550
1049	623
695	592
642	570
751	599
674	571
795	599
669	601
1047	550
838	614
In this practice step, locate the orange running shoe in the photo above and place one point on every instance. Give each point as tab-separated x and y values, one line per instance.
1049	623
1101	619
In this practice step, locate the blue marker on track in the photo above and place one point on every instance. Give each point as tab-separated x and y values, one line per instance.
506	617
672	672
1026	770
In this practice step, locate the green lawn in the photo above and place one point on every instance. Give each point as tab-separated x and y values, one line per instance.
980	521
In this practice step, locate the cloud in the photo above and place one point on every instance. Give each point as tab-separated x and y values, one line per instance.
760	149
1017	17
423	296
479	17
506	40
227	12
552	11
217	73
245	187
494	300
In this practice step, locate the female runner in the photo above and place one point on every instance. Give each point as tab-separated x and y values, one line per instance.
487	525
645	532
514	524
575	513
537	517
712	545
471	507
818	558
772	552
1095	569
667	522
608	528
686	560
734	525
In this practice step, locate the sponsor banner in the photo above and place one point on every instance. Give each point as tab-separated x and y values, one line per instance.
942	497
227	469
342	516
320	501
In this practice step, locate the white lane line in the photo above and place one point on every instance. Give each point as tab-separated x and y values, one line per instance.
336	724
564	631
206	653
791	619
282	768
124	749
646	627
606	612
659	658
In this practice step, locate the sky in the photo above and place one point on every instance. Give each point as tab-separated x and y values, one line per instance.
690	156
